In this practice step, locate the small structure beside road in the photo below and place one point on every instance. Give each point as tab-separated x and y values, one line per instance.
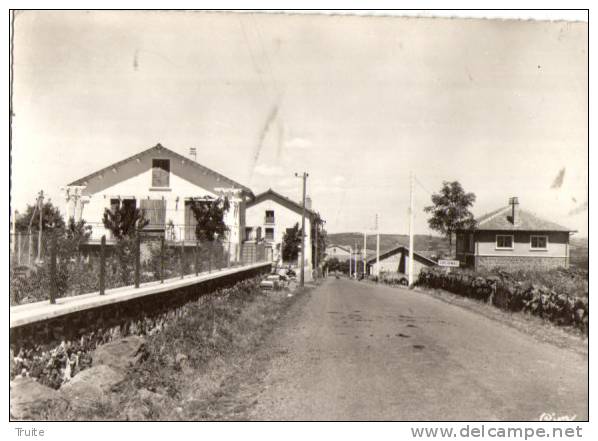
397	261
513	238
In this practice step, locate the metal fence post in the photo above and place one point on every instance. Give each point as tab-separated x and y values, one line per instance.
53	276
137	259
162	259
182	259
103	265
196	256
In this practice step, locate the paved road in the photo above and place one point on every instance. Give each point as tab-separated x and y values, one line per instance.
356	351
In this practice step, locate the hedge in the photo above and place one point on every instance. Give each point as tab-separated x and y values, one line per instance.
508	294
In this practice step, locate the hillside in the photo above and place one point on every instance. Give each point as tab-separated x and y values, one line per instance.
426	244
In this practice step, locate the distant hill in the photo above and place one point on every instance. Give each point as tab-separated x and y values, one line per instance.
426	244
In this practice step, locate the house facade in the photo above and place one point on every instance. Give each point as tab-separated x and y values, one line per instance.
397	261
162	183
269	215
339	252
513	238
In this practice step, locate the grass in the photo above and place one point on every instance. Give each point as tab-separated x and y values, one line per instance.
194	364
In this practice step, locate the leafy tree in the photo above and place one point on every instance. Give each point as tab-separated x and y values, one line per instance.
124	222
322	238
210	219
51	218
291	242
450	211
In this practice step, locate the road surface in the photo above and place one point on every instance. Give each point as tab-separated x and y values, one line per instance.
357	351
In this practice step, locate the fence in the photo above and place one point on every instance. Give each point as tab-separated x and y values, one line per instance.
65	267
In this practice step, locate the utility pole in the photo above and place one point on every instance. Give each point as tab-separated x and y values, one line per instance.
377	248
316	256
411	228
365	250
39	234
302	279
355	261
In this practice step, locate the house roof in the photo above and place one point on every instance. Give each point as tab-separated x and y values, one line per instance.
417	256
159	149
342	247
500	219
282	200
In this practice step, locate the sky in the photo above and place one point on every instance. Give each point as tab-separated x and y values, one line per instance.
359	103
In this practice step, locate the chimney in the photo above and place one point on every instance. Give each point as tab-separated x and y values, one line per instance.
308	202
514	203
193	153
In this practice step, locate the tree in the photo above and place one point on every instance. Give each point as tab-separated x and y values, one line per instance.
450	211
322	237
291	242
124	222
210	219
51	218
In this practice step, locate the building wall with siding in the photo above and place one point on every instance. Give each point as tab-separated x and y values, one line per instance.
283	218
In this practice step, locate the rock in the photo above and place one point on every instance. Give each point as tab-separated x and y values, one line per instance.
30	399
91	386
121	354
149	405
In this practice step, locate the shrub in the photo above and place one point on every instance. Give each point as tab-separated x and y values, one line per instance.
506	292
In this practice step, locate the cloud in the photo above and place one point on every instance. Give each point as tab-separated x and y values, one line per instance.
298	144
269	170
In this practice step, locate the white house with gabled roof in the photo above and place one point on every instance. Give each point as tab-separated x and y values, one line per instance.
162	183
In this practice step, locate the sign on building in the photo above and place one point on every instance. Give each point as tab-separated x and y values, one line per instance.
449	263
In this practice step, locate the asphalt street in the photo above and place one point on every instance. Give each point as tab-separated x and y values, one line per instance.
358	351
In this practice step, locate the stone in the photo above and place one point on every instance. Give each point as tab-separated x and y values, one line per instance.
120	354
148	405
29	399
91	386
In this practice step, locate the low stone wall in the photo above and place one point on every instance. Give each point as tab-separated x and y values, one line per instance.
99	324
521	263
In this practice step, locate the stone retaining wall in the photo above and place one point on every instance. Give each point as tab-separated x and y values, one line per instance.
105	322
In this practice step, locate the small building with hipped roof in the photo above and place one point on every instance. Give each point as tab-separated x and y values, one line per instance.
513	238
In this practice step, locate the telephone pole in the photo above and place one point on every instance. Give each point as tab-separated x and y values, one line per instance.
411	228
39	234
365	249
302	279
377	248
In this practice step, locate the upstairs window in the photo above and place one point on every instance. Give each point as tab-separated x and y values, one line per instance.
269	216
504	242
539	242
160	172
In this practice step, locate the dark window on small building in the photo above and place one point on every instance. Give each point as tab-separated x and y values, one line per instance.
160	172
504	241
269	233
269	216
539	242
